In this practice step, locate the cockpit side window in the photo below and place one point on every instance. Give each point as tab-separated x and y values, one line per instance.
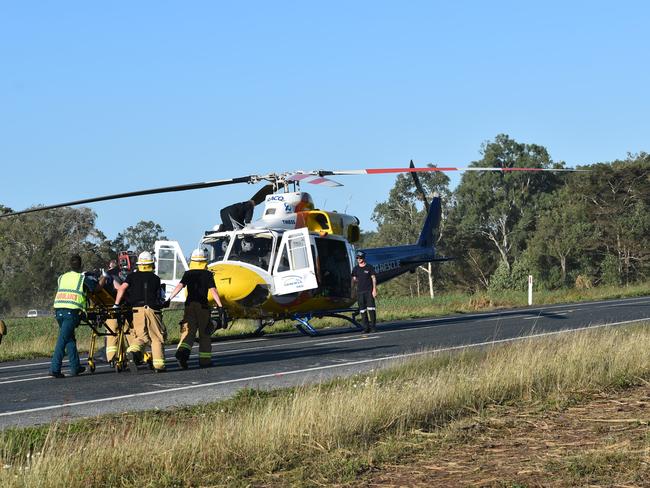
217	248
253	249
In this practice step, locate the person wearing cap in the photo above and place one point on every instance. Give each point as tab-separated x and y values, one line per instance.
364	275
143	294
199	282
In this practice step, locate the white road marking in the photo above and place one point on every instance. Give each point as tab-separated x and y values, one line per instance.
546	316
313	369
616	304
25	375
495	319
364	338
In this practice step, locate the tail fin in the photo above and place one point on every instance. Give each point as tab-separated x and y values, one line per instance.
430	224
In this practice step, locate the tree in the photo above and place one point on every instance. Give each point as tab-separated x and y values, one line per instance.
139	237
617	196
564	229
35	249
495	212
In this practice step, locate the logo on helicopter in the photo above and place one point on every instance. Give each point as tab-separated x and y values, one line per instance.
275	198
296	281
383	267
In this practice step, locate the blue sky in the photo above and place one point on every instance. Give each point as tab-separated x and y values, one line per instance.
107	97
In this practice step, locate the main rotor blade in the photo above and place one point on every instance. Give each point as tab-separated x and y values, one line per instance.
371	171
164	189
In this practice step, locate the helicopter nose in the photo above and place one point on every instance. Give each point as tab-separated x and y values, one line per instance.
239	285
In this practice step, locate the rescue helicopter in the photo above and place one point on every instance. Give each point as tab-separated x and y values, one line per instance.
295	261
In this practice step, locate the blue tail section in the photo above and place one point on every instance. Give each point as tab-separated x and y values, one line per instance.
393	261
430	224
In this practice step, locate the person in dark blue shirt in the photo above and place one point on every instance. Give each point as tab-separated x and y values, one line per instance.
366	278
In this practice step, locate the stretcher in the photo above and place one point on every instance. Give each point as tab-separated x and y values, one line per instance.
99	311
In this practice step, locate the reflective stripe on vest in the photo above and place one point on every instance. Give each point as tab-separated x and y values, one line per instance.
71	291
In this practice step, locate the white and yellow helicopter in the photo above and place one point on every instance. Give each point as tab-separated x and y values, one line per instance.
295	262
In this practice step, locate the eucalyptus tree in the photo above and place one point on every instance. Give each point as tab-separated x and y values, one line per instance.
495	212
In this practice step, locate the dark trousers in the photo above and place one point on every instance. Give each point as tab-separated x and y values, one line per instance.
68	320
367	309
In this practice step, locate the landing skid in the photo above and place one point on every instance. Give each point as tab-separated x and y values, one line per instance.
303	320
302	323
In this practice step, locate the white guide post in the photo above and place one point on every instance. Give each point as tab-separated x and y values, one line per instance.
530	289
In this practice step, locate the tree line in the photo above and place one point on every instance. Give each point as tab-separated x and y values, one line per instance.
35	249
578	229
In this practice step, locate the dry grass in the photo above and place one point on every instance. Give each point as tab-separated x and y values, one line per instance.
320	434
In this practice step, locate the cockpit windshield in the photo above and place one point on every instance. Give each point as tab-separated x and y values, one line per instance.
217	248
255	249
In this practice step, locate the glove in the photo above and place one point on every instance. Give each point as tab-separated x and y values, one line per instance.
166	303
104	273
116	306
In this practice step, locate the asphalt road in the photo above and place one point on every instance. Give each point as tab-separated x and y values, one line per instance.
29	396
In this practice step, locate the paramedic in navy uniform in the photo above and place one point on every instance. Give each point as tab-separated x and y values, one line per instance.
365	277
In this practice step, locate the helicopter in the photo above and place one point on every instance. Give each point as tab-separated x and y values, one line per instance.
295	262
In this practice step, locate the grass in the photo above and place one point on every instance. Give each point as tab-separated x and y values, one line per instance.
330	433
32	338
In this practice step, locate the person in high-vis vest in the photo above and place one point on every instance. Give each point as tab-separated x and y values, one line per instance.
144	296
69	304
199	282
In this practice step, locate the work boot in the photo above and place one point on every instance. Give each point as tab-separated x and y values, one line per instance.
133	363
57	375
182	358
79	371
373	321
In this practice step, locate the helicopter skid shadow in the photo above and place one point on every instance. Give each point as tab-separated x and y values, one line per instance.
252	357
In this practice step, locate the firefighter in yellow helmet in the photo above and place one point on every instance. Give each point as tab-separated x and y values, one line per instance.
143	293
199	282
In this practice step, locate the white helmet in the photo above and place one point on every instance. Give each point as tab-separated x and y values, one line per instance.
199	255
144	258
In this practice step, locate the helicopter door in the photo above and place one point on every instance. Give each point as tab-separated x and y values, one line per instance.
170	266
294	266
